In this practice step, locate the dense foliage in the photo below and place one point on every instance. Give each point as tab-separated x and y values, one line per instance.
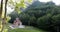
41	15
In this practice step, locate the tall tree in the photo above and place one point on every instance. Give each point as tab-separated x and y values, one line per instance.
4	20
1	8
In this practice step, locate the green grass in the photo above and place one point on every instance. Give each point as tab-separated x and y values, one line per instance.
27	29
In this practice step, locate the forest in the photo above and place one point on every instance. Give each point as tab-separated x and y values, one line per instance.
43	16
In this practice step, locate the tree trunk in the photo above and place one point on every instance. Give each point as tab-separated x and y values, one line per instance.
1	8
4	20
5	9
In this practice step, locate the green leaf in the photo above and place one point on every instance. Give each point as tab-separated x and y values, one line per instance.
30	1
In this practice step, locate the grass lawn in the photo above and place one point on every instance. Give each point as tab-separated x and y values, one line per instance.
27	29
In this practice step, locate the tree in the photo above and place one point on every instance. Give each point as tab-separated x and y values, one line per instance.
4	20
41	15
56	22
1	8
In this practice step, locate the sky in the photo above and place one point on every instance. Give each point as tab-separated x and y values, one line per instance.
57	2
